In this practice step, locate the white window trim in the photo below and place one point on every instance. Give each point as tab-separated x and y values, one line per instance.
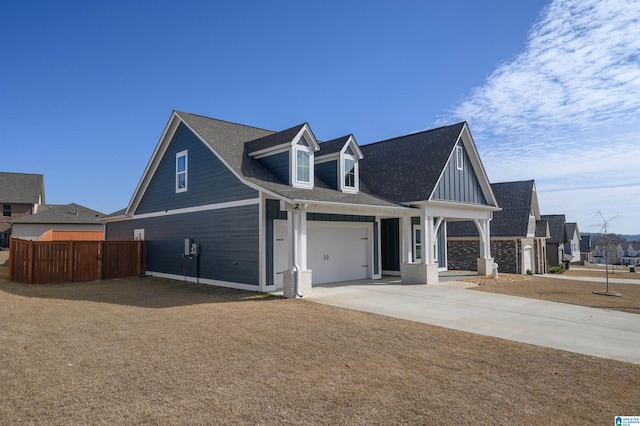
294	170
459	158
184	153
415	228
342	174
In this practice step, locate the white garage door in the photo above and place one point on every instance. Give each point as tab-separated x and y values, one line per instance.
336	251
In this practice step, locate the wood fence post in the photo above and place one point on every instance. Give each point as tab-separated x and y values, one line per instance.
71	261
139	265
101	260
11	258
30	263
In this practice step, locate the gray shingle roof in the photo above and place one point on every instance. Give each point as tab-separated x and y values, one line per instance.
556	227
21	188
418	161
332	146
229	139
542	228
67	214
570	229
515	198
273	139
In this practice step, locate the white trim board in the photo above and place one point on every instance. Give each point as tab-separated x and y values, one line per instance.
206	207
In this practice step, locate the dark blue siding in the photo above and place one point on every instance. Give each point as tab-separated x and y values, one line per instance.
228	241
278	164
209	180
328	172
460	185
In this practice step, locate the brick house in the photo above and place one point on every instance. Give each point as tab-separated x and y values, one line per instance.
21	194
517	233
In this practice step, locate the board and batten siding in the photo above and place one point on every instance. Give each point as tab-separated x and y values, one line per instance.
228	239
459	185
209	181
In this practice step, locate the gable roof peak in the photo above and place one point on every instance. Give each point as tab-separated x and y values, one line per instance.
182	113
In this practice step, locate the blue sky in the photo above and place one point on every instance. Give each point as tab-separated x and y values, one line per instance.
551	89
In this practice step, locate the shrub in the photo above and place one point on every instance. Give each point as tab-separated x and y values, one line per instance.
557	269
529	272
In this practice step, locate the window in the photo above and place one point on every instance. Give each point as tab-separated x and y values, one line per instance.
417	243
349	173
6	210
302	166
138	234
182	166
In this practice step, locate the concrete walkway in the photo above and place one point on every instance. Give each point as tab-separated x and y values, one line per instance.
597	332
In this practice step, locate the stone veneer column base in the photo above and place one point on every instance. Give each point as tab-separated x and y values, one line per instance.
485	266
289	283
419	273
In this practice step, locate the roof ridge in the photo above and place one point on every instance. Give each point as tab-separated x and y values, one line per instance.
225	121
415	133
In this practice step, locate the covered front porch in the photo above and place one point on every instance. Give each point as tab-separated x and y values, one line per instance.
409	243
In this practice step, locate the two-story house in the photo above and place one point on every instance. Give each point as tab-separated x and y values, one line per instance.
238	206
21	194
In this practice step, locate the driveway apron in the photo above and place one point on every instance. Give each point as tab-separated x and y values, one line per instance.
591	331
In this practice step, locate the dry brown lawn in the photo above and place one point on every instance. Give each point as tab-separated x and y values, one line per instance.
154	351
574	292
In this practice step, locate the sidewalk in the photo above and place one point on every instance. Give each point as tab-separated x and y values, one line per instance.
612	278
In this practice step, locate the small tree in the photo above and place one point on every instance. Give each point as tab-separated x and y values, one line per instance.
608	241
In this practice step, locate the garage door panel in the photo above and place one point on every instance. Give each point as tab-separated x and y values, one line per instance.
335	251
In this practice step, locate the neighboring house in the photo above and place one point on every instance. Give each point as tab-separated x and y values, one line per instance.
517	233
612	256
586	251
558	238
237	206
572	245
631	255
77	222
20	195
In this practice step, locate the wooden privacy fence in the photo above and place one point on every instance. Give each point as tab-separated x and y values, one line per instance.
43	262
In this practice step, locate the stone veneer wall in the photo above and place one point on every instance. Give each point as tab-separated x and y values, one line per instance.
462	255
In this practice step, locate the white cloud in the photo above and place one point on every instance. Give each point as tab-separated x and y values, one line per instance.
566	110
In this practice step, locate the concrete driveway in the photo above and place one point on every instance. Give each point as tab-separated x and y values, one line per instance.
597	332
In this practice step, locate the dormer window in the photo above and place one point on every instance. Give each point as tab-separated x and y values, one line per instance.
303	167
349	171
288	155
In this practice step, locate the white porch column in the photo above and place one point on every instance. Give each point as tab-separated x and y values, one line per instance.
425	271
485	261
297	279
407	248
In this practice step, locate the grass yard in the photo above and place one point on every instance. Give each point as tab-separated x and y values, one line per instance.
154	351
568	291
